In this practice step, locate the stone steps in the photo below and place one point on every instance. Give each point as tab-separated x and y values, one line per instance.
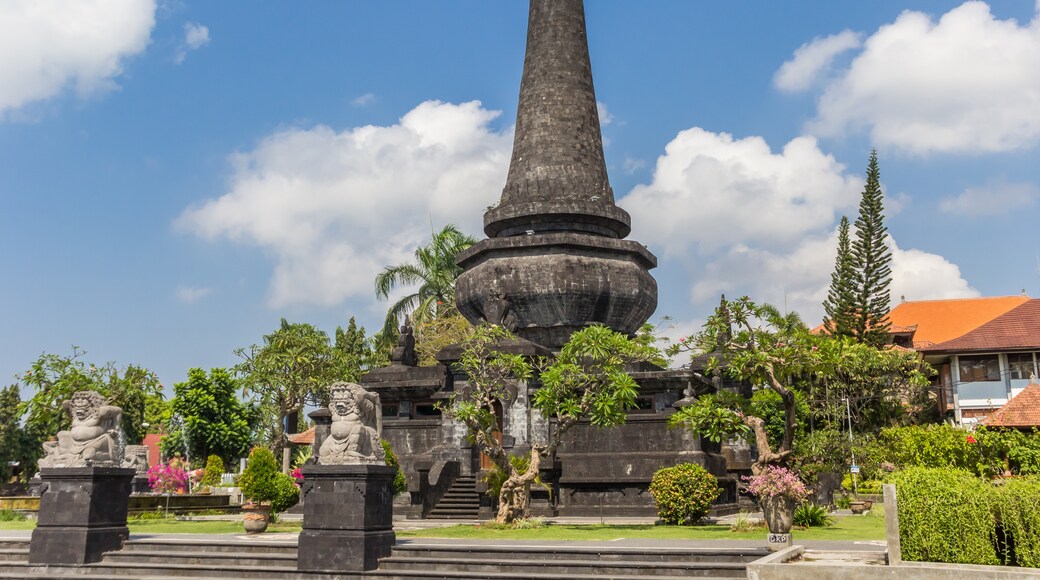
151	559
460	502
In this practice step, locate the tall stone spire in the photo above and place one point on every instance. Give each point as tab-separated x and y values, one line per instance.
556	259
557	177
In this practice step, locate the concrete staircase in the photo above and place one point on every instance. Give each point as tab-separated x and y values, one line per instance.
152	559
460	502
563	562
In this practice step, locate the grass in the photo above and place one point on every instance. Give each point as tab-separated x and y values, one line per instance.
172	526
846	528
853	528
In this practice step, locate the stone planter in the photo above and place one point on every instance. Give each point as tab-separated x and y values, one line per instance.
779	515
860	507
255	519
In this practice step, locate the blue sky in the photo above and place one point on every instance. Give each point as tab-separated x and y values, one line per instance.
177	176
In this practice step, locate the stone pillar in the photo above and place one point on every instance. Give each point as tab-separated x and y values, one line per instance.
347	517
82	514
322	423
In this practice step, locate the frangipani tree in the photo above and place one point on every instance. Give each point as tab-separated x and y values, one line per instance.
586	380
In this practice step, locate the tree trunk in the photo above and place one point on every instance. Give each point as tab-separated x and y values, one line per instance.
515	495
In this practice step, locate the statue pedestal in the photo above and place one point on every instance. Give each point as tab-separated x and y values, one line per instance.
82	514
347	517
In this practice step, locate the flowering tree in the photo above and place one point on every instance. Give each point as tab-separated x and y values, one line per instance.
169	477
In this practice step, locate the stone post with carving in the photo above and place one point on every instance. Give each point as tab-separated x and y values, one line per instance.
86	492
348	506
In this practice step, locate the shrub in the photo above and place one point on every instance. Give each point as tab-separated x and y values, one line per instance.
683	493
810	515
745	523
286	493
214	470
400	483
1015	505
871	486
9	515
258	478
945	516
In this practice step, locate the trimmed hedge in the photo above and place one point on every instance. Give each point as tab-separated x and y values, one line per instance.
1016	505
683	493
945	515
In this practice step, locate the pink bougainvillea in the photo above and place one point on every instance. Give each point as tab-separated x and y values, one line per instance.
777	481
169	477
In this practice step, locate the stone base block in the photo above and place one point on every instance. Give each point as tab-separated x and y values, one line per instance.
347	517
82	514
343	550
74	545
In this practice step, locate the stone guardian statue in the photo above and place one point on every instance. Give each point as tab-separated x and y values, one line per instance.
93	438
357	425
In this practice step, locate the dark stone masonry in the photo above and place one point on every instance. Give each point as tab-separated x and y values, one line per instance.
556	260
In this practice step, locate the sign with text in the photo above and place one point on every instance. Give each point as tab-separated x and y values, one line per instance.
854	469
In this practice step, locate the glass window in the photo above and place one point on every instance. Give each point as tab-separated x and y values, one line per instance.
977	369
1020	365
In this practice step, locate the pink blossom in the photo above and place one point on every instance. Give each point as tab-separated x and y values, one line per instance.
777	481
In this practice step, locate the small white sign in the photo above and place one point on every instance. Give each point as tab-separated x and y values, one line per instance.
854	469
779	538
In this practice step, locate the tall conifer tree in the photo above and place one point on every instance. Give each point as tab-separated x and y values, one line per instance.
871	260
841	296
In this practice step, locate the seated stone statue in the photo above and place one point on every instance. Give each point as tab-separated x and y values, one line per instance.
93	438
357	424
136	457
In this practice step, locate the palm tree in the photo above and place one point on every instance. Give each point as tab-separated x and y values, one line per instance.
434	271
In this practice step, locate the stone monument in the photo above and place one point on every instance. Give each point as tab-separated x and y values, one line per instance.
348	493
136	457
86	493
556	258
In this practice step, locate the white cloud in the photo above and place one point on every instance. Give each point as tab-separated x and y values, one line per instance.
47	46
813	59
966	83
711	190
993	199
333	208
605	118
364	100
195	37
631	164
188	294
744	220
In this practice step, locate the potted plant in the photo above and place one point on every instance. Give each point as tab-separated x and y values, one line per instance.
258	488
779	491
268	490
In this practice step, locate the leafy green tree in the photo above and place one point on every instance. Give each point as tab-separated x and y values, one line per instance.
353	352
215	421
294	367
586	380
841	296
56	377
17	443
434	272
871	259
157	413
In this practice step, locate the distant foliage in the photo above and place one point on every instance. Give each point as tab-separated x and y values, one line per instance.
683	493
215	421
400	483
945	516
214	471
985	452
286	493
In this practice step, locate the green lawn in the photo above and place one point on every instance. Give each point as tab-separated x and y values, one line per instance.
846	528
171	526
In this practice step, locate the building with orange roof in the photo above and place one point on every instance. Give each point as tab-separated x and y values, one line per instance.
933	321
980	370
1021	412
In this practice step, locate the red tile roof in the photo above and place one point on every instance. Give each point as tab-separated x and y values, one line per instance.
305	438
1021	411
941	320
1017	329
